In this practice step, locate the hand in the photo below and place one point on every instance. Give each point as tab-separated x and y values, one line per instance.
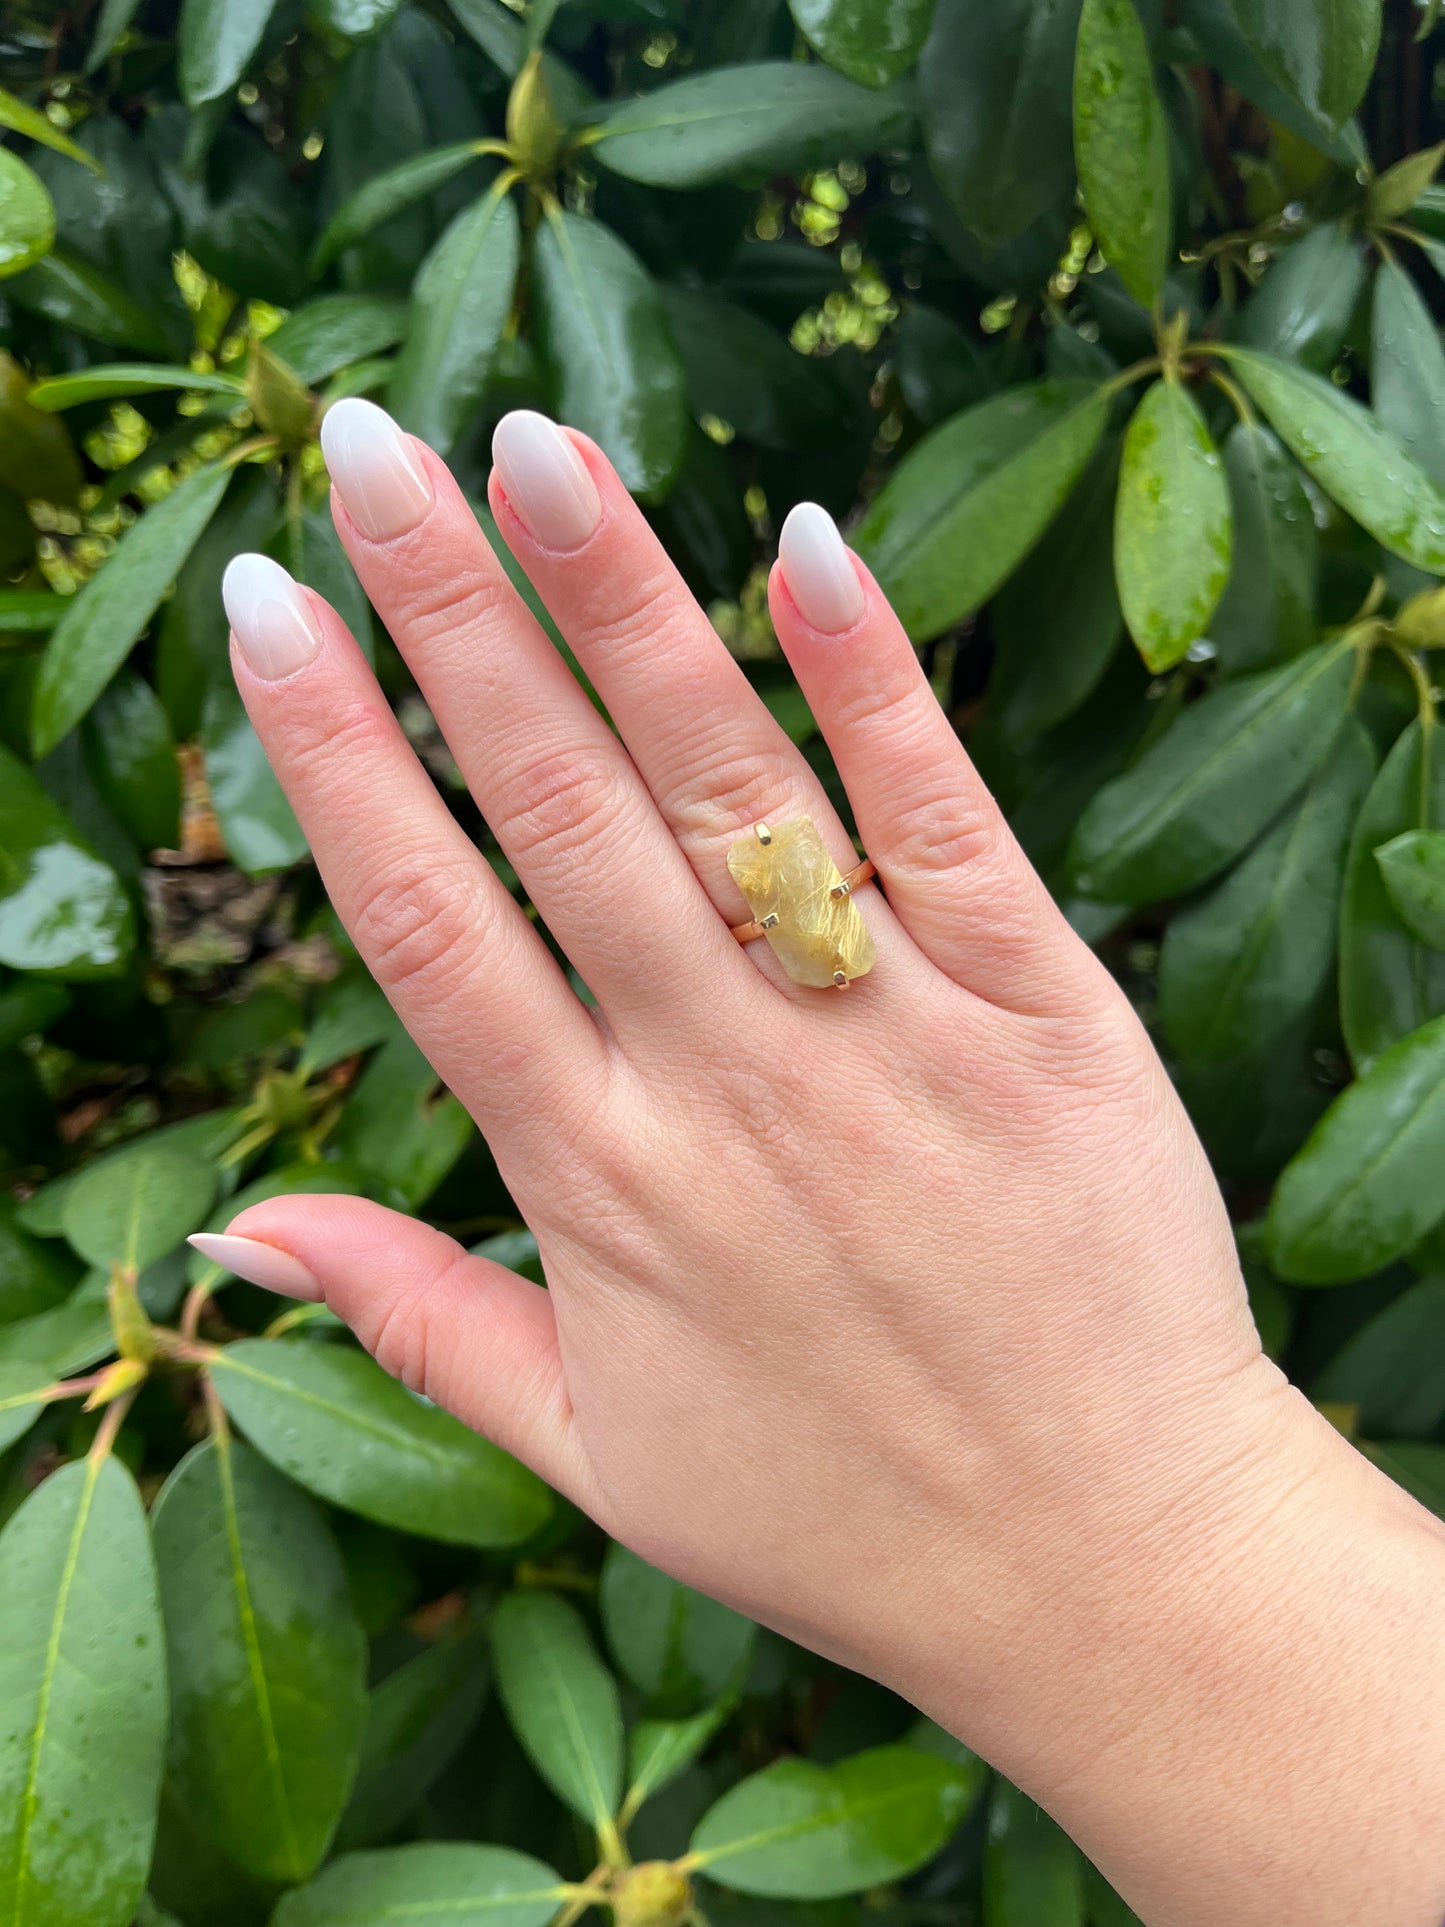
906	1319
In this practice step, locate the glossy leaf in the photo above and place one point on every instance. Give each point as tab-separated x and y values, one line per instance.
965	506
659	1750
994	86
114	19
386	194
35	1275
1393	1368
504	39
27	215
332	1419
1365	1188
1267	613
1321	52
611	354
1303	309
1202	792
417	1719
797	1831
62	910
20	1380
21	118
218	39
749	375
460	305
257	822
112	610
1413	867
446	1884
30	612
679	1648
768	118
1352	458
131	756
873	42
71	1338
82	1682
1174	532
135	1209
1252	956
1390	983
561	1701
402	1125
1407	370
1033	1874
266	1661
129	378
335	330
37	457
1122	142
357	19
68	290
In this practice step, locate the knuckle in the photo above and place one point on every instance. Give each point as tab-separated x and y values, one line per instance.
325	744
433	607
943	829
637	617
558	803
423	928
730	794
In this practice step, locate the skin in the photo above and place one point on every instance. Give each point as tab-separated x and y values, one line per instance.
906	1320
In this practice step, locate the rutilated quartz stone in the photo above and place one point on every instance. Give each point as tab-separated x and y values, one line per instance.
792	877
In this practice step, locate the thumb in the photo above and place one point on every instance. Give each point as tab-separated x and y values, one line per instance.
469	1334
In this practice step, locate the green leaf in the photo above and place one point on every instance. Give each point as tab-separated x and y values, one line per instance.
37	455
205	1137
505	41
418	1719
1304	307
605	337
333	1420
770	117
35	1276
402	1125
443	1884
1395	192
874	42
679	1648
337	329
994	86
749	375
115	19
1032	1872
132	758
1390	983
1252	956
1268	611
1174	531
259	826
387	194
30	612
20	1380
267	1661
797	1831
1202	792
357	19
69	291
658	1750
1393	1368
129	378
965	506
1365	1188
83	1684
134	1210
216	43
23	119
561	1700
105	618
1407	370
1352	457
27	215
1413	866
460	305
1122	142
62	911
1320	52
71	1338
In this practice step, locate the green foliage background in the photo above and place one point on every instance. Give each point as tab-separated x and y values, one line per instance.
1111	330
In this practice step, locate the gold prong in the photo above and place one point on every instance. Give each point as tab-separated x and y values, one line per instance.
763	834
769	922
843	889
840	978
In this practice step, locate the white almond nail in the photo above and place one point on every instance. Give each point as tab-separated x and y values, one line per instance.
273	623
375	469
259	1264
546	481
819	570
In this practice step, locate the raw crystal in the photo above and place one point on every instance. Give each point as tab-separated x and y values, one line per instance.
792	877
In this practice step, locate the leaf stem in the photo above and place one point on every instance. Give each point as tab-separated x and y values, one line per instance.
1236	395
108	1429
1139	371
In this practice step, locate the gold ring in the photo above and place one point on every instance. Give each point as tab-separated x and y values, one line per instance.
802	903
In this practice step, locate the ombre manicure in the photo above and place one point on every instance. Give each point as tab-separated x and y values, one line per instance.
259	1264
546	480
819	570
273	623
374	468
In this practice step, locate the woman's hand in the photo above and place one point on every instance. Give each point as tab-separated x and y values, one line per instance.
905	1319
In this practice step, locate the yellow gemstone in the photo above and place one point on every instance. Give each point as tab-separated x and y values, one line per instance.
791	877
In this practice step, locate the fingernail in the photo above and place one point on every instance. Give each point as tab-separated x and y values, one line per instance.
272	621
546	480
258	1264
375	469
819	570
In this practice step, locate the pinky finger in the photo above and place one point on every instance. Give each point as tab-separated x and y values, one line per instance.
467	1333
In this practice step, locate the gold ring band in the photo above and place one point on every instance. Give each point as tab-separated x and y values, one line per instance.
802	903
